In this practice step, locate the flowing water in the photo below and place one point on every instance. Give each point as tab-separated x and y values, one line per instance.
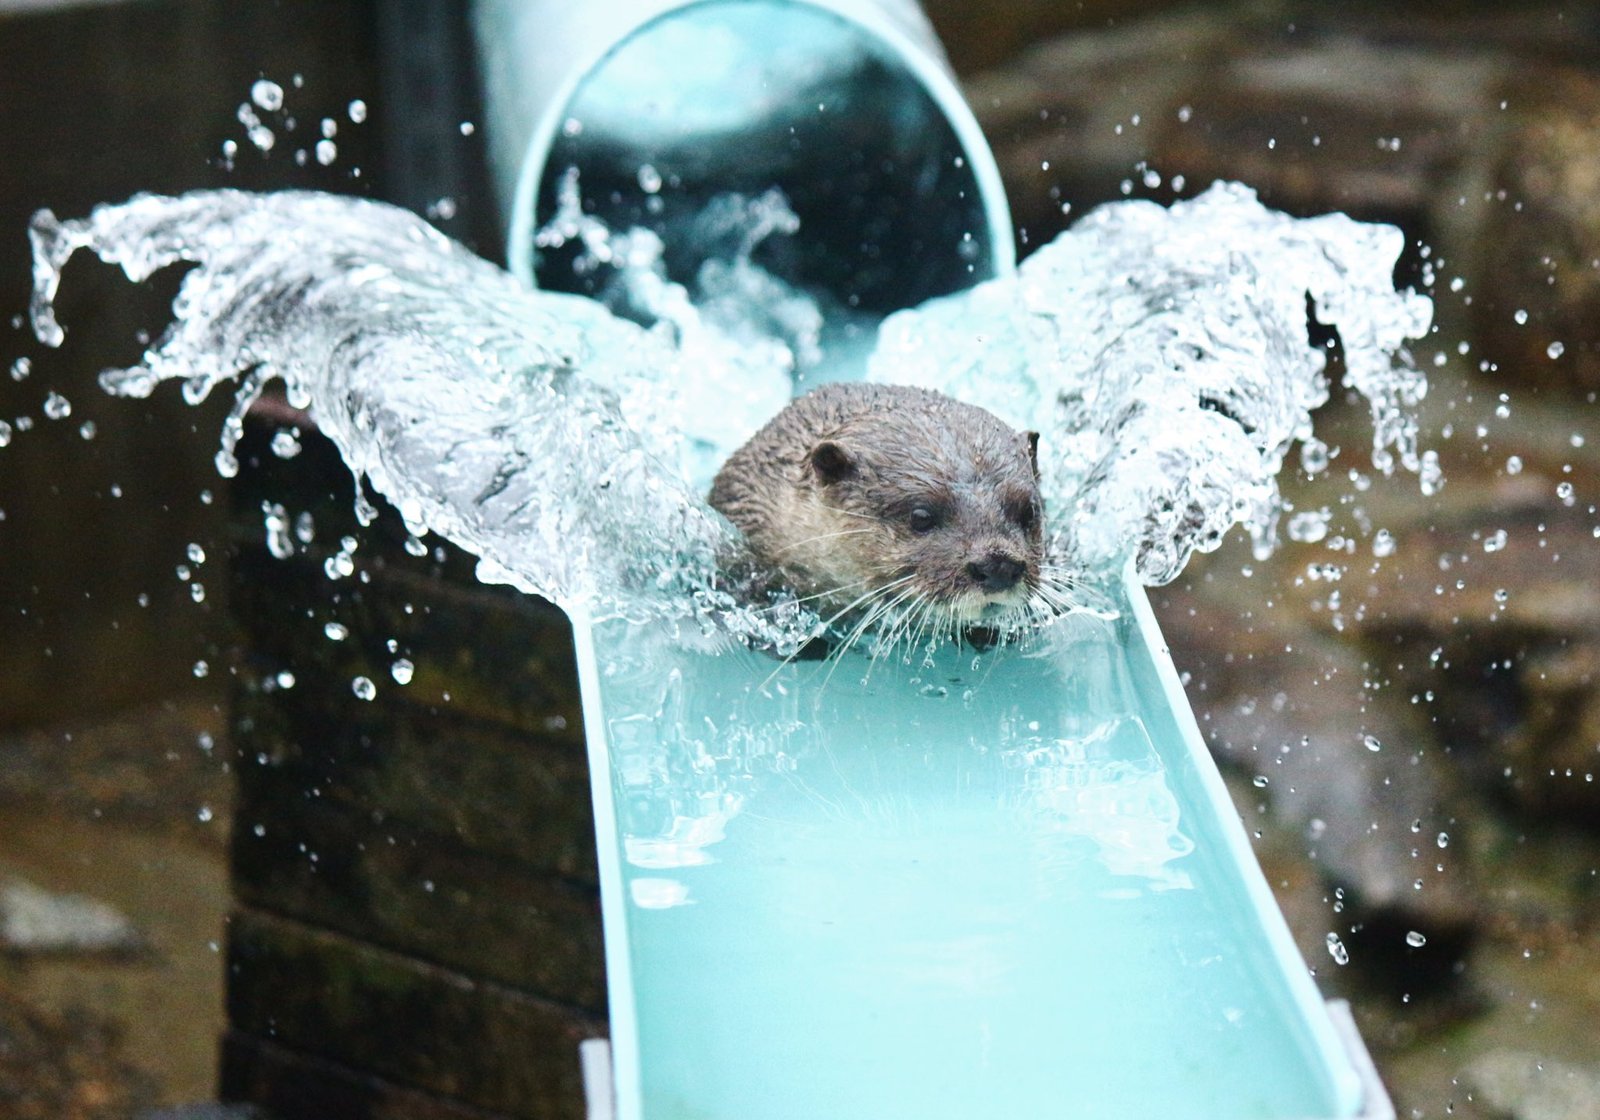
943	883
961	889
1162	352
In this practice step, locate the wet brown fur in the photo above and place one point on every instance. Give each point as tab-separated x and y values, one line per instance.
837	492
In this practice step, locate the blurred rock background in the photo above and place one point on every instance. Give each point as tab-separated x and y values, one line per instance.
1407	698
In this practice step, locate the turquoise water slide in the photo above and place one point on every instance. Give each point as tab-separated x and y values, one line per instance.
993	884
961	884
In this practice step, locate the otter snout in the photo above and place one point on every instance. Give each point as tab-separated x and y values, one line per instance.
996	572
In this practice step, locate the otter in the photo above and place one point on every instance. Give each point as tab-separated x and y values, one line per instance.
893	505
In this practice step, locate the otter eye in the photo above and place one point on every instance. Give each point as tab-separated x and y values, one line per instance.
923	520
1022	514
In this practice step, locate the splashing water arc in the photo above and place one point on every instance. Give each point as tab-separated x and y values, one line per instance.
1163	352
506	420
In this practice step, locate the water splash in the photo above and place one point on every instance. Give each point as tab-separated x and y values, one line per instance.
1164	354
748	335
524	426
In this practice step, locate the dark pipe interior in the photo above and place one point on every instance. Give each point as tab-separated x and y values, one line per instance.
890	210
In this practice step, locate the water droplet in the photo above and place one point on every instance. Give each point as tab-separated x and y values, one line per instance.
204	814
363	688
1371	742
1495	541
1514	464
267	95
1521	317
649	179
5	434
259	134
285	679
1430	476
285	445
1555	350
1336	950
197	592
305	528
357	110
1501	595
415	546
401	671
336	631
1416	940
276	522
329	127
1309	526
468	128
196	554
57	407
1382	543
1443	840
1565	492
1313	456
201	669
87	430
327	152
1259	781
21	368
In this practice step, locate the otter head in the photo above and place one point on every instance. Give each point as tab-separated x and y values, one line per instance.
931	511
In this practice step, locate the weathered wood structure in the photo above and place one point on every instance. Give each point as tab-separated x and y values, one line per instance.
416	931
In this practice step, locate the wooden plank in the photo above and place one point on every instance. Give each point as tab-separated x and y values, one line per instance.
402	1020
297	1086
374	878
479	784
477	651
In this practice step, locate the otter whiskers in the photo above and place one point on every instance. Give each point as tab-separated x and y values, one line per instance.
822	627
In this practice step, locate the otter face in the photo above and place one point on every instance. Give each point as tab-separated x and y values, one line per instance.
947	528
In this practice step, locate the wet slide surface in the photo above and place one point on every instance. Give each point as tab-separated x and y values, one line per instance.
976	884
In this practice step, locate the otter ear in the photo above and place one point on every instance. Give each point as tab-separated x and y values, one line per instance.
831	462
1033	450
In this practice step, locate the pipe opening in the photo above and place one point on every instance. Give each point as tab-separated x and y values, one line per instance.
722	97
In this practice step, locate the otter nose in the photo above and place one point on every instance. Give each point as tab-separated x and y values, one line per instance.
996	572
